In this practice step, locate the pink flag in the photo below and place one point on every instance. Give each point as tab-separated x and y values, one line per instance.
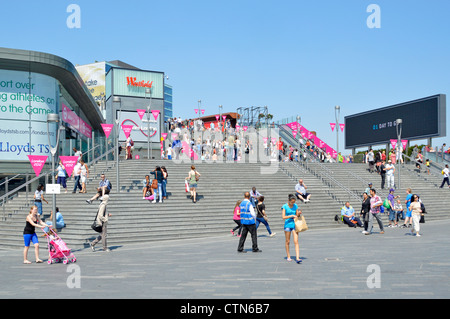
127	129
107	128
155	113
265	139
393	143
292	125
196	110
69	163
37	162
224	117
333	125
203	112
141	113
174	136
342	127
245	128
217	117
164	135
294	133
404	143
273	139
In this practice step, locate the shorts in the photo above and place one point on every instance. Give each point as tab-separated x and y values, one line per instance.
289	229
193	185
62	181
30	237
392	215
408	213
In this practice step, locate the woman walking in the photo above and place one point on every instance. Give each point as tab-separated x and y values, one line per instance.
164	182
237	218
62	177
193	178
290	210
84	176
29	234
416	211
365	207
39	197
261	216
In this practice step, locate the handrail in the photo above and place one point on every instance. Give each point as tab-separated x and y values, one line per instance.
4	198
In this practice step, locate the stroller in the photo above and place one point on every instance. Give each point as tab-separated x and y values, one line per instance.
57	249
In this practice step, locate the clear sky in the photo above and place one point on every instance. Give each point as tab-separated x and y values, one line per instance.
297	57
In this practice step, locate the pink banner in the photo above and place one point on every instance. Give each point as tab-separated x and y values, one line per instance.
393	143
188	151
265	139
293	125
245	128
404	143
127	129
155	113
273	139
217	117
294	132
75	122
141	113
107	128
342	127
196	110
164	135
203	112
69	163
37	162
224	117
333	125
174	136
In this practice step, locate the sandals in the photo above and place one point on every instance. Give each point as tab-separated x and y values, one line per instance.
38	261
27	262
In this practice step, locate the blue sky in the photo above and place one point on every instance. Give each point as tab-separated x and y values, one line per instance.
296	57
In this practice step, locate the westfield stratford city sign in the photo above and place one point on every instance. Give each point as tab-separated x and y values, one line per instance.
132	81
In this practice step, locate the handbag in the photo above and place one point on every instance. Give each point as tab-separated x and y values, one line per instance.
96	227
422	219
155	184
387	204
300	224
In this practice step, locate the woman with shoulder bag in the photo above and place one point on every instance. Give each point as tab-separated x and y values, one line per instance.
193	178
261	216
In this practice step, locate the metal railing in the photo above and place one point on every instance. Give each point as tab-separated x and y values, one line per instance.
11	194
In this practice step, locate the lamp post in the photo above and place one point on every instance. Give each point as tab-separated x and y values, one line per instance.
398	129
337	110
148	91
53	118
116	99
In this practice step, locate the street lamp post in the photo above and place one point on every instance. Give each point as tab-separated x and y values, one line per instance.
337	110
53	118
148	91
398	129
116	99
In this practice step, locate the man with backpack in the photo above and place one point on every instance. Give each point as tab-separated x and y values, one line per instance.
375	207
104	187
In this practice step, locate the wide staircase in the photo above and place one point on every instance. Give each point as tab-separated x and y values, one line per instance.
221	185
136	220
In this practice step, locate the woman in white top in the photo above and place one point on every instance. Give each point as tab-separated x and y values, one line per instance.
416	211
84	176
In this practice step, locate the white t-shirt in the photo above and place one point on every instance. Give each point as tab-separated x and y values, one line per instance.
391	171
446	172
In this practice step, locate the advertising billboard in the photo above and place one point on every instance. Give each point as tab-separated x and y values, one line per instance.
140	126
25	100
128	82
93	76
422	118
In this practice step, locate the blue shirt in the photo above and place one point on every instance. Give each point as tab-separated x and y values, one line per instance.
408	201
347	211
289	223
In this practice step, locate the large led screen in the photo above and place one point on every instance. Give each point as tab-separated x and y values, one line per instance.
421	118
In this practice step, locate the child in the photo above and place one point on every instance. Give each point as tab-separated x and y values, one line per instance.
399	212
427	163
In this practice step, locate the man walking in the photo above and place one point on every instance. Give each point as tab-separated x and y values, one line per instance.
390	170
248	222
375	204
445	172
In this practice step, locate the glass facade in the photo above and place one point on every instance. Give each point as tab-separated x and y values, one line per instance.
168	106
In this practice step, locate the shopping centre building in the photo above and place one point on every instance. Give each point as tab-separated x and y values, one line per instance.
35	84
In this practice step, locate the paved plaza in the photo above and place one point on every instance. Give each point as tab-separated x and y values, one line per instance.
339	263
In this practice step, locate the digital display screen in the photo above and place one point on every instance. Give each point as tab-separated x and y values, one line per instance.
421	118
